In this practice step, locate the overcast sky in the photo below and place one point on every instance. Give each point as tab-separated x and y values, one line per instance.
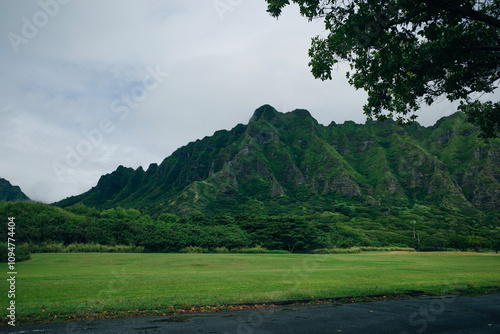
88	85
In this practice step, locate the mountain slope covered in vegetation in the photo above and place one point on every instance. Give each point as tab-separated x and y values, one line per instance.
10	193
289	163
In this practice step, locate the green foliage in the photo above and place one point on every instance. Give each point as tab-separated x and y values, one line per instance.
221	250
386	249
496	246
53	247
338	250
193	249
8	192
478	243
463	243
362	249
285	233
20	253
250	250
96	248
46	247
80	229
485	115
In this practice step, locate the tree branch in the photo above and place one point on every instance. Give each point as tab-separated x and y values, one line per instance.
466	12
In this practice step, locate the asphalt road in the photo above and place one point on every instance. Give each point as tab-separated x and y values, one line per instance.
421	315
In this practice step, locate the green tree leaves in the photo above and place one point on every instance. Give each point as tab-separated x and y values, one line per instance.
463	243
348	226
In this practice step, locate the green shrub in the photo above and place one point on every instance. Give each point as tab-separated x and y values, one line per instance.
253	250
193	249
345	250
221	250
48	247
386	249
362	249
258	250
82	248
21	253
127	249
337	250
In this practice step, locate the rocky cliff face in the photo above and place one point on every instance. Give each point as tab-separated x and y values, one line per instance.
291	160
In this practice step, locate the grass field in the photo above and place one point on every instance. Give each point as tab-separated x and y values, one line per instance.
53	287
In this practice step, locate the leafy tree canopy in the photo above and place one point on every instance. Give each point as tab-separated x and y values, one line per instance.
407	53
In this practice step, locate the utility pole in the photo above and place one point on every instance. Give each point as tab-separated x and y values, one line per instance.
413	223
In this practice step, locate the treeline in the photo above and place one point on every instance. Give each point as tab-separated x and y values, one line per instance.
41	224
476	243
38	223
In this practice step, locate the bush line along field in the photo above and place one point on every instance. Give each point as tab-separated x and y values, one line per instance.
348	226
101	285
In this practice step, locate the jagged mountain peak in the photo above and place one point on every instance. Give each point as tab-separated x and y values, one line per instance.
270	114
265	112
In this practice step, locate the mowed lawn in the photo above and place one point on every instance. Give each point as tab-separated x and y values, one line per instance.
67	285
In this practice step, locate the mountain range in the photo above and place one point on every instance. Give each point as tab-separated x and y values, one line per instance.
289	163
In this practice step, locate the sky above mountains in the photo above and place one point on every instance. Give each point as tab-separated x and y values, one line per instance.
89	85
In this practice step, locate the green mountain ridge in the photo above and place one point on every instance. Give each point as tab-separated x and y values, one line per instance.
289	163
10	193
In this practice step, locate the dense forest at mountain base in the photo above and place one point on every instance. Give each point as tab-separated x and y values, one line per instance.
348	226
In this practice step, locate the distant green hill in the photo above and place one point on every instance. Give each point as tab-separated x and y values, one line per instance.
10	193
289	163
